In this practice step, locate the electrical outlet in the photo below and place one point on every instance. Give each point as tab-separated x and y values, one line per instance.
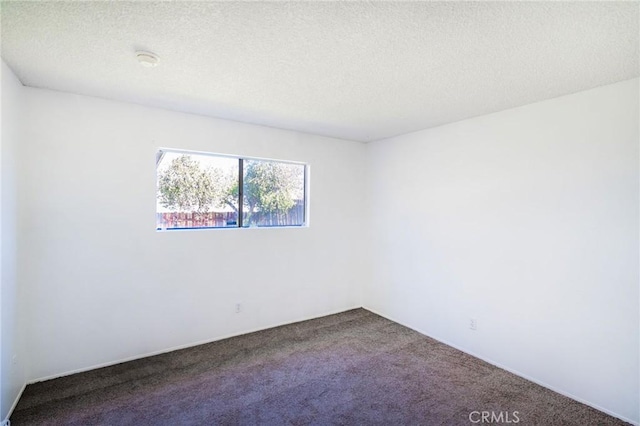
238	308
473	324
14	360
5	423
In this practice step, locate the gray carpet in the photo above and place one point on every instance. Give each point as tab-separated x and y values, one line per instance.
354	368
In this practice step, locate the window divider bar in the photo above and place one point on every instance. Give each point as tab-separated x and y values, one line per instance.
240	191
304	196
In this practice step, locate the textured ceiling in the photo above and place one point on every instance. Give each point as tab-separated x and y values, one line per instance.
355	70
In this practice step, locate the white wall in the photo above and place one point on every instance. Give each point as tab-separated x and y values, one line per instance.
103	285
12	373
527	221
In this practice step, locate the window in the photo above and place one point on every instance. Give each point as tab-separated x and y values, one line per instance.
198	190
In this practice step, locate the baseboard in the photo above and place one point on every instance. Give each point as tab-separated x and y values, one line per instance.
510	370
179	347
6	421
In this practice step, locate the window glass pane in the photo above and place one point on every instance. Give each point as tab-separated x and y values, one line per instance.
273	193
196	191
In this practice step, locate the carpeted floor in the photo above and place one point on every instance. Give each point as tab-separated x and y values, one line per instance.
353	368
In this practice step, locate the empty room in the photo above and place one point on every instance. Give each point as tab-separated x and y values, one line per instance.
292	213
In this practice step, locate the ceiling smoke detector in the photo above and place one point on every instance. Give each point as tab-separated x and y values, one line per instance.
147	59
